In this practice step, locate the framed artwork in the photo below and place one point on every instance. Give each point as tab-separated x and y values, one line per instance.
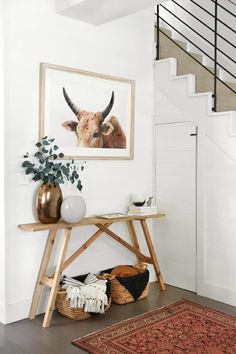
90	115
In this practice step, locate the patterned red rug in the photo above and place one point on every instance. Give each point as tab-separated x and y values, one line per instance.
182	327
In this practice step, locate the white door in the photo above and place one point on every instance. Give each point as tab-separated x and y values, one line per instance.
176	196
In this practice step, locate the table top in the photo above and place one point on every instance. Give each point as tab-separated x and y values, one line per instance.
85	222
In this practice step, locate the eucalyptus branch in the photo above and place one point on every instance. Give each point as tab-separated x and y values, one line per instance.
46	165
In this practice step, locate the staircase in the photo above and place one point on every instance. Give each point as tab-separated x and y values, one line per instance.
197	87
212	46
187	65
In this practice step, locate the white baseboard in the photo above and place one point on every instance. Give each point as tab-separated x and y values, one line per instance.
2	315
225	295
20	310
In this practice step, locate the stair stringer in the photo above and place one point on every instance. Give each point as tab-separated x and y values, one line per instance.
216	145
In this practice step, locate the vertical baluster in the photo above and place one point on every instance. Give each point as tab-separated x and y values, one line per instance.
215	56
158	35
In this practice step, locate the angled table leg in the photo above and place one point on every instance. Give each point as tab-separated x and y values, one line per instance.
56	278
152	253
134	238
43	270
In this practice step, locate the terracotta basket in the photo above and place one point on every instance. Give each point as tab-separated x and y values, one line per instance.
128	289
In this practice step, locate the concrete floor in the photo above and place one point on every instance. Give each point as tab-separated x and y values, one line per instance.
28	337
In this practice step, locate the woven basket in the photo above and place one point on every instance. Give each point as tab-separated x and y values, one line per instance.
63	305
128	289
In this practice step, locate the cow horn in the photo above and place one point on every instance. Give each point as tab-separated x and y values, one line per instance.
109	107
72	106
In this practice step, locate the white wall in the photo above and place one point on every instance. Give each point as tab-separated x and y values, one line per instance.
36	34
2	213
209	20
220	226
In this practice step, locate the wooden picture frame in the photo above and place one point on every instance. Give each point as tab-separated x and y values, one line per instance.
67	98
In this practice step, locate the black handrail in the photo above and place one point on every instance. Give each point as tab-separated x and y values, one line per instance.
189	54
224	8
182	21
222	22
214	45
199	34
195	45
190	13
234	3
198	19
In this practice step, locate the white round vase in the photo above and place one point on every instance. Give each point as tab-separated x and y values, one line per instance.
73	209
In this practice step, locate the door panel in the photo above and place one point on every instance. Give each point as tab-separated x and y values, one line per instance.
176	196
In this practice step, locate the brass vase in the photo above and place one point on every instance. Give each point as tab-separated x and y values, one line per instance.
48	203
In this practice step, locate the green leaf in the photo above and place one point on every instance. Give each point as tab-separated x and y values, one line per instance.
45	151
54	156
55	147
49	164
82	168
38	144
51	177
41	160
56	166
65	170
58	181
38	154
45	137
26	163
29	170
42	175
79	185
61	155
37	177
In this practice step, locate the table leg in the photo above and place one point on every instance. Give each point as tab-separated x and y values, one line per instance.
152	253
56	278
134	238
43	270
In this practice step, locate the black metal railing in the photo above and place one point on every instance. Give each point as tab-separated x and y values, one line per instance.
213	45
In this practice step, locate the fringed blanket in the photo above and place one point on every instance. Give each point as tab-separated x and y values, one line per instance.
91	295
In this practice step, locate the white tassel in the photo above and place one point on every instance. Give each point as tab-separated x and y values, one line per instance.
91	295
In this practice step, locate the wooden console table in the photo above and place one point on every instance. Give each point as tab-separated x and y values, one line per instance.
103	227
